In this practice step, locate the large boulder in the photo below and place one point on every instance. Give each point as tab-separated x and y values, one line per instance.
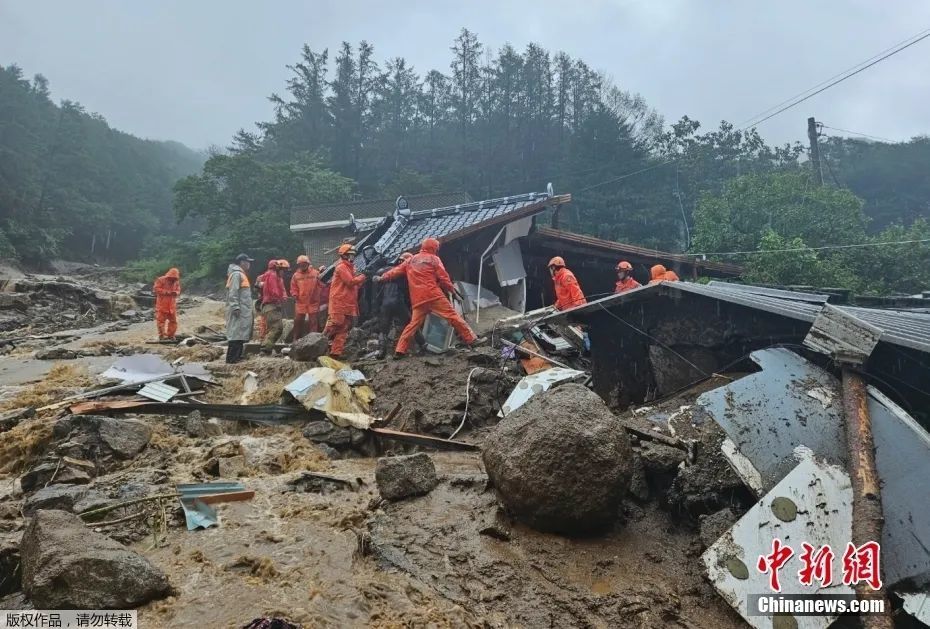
310	347
69	566
561	462
104	439
400	477
73	498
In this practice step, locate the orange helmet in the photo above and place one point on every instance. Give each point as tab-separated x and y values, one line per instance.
623	265
284	264
303	260
556	261
406	255
346	249
173	273
430	245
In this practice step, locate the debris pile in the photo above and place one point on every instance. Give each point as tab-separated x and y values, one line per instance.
40	304
480	487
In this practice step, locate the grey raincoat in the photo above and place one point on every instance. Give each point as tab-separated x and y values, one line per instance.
238	305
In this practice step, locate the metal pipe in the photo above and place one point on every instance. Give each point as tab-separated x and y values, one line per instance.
481	270
867	516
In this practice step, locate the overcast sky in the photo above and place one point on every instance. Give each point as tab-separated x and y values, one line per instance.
196	71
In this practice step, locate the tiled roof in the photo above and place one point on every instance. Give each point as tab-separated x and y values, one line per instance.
400	233
307	216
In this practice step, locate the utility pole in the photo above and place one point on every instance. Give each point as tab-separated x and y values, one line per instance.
815	150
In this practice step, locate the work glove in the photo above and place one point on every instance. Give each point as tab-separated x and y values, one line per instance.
377	279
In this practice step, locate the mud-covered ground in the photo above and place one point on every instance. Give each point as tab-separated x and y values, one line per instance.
343	558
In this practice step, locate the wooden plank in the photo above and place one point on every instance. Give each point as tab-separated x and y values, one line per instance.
233	496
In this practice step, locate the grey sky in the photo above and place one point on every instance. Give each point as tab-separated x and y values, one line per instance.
196	71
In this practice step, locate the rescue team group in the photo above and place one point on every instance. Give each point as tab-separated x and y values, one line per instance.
427	282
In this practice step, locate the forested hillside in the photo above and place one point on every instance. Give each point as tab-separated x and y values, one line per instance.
504	122
492	122
71	186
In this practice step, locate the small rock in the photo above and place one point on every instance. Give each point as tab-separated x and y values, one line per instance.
55	353
69	566
125	437
661	459
713	526
309	347
13	417
401	477
71	498
64	474
323	431
497	526
129	314
231	466
639	487
10	567
328	451
193	424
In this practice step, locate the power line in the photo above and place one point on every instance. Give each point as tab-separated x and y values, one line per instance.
839	74
865	135
624	176
793	102
826	247
841	79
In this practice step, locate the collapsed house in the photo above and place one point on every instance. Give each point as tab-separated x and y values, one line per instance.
502	245
324	227
786	417
650	341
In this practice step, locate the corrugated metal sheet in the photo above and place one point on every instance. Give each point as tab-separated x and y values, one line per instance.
906	329
159	391
814	298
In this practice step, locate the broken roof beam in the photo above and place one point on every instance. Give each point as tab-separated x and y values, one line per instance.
590	245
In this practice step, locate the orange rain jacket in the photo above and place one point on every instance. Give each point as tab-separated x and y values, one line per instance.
426	275
567	290
627	283
166	289
305	289
343	292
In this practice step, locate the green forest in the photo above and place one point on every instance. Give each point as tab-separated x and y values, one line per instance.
350	124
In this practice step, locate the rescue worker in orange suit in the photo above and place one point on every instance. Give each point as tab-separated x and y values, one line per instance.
259	285
625	279
394	307
660	274
273	297
427	277
343	300
568	292
167	288
305	289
